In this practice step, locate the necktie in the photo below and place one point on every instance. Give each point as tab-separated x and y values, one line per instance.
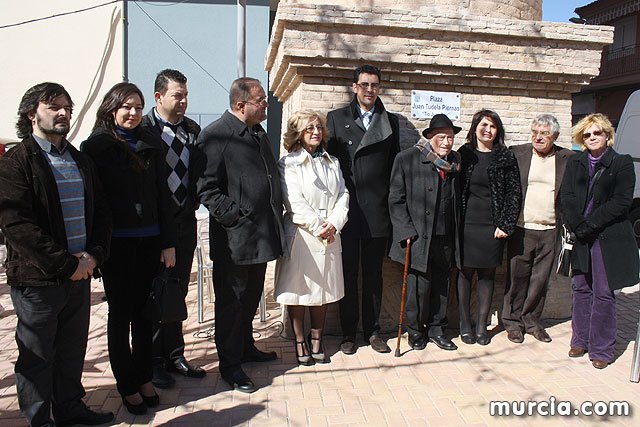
366	119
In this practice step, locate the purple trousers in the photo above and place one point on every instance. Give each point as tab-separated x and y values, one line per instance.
594	311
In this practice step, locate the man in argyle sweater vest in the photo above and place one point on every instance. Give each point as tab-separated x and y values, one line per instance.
167	119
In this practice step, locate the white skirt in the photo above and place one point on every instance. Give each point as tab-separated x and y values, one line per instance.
312	276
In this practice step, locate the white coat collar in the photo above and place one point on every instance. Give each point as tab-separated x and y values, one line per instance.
301	156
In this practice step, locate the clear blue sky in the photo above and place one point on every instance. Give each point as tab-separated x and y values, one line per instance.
561	10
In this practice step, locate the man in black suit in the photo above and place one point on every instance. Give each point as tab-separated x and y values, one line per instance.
365	139
532	247
168	121
241	188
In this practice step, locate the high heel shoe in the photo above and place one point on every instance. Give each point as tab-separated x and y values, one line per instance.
319	357
135	409
304	359
151	401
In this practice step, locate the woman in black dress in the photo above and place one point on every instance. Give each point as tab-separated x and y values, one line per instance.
491	199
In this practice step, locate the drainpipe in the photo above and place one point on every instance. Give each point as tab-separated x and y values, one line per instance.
241	38
125	41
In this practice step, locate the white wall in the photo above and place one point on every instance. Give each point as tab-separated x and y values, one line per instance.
206	29
81	51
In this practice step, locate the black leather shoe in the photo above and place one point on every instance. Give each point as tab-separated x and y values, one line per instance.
255	355
161	378
468	338
483	338
348	345
515	336
238	380
181	366
417	342
87	417
541	335
443	342
378	344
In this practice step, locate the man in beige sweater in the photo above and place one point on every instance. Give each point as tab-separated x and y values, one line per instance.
532	247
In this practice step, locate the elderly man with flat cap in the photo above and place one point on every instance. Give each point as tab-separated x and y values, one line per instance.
424	204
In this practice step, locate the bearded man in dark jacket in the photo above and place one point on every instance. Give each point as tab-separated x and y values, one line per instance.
57	226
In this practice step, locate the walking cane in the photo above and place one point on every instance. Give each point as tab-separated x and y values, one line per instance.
635	365
404	293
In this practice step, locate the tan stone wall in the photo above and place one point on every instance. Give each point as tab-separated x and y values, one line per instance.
516	111
515	9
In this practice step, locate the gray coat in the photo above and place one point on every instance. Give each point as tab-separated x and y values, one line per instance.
366	158
240	186
412	205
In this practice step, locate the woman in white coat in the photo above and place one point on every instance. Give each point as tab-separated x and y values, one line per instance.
317	204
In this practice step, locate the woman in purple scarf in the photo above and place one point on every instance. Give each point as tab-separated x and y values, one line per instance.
595	197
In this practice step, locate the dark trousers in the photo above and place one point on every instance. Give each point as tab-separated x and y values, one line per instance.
52	329
369	254
168	342
593	321
238	289
531	259
132	266
428	293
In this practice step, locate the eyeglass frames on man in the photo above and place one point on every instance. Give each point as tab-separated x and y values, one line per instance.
542	133
258	102
365	85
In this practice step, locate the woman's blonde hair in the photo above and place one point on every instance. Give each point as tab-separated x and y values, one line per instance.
597	119
296	127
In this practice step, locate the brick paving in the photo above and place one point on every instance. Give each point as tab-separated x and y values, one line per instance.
421	388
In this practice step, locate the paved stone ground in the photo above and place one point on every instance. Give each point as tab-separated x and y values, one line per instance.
420	388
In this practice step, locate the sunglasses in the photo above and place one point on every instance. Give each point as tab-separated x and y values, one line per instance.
587	135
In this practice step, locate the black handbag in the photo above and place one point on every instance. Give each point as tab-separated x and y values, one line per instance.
564	258
166	302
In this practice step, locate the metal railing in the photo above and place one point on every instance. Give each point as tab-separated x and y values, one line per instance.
616	62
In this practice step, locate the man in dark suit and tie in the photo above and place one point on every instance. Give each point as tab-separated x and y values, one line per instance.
532	247
365	139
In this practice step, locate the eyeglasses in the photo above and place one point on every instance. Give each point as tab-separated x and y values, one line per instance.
365	86
309	129
542	133
258	101
587	135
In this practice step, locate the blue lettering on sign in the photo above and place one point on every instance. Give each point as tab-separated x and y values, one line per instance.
435	98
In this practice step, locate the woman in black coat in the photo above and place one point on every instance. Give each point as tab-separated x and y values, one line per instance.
595	197
132	169
491	197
